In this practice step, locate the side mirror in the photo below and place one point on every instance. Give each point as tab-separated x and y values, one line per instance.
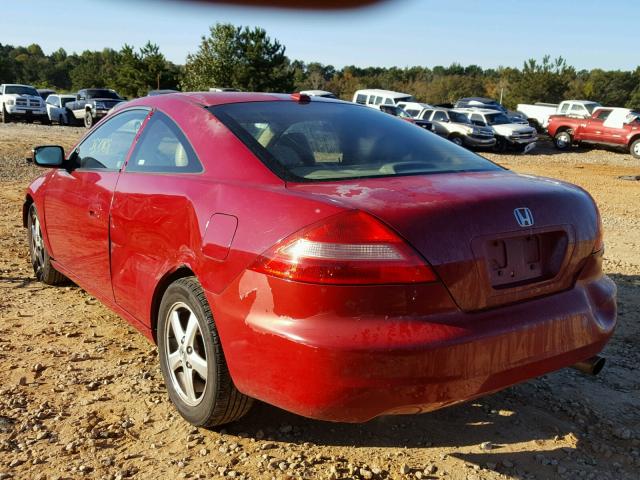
50	156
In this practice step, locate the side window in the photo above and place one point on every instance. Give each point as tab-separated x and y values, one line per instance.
52	100
412	112
388	101
378	101
107	147
564	108
162	147
604	114
440	117
426	114
577	109
361	99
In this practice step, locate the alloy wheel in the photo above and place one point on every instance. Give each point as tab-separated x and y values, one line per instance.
37	245
185	354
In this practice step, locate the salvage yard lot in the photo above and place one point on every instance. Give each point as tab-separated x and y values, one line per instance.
82	395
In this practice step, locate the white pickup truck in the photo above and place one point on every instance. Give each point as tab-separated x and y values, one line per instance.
21	101
538	114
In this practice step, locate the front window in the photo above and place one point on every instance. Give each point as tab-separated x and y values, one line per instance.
591	107
318	141
67	100
497	119
20	90
107	147
458	117
102	93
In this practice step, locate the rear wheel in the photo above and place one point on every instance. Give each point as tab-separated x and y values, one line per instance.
563	140
40	259
635	148
192	361
88	120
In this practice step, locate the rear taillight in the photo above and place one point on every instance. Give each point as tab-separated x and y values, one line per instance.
350	248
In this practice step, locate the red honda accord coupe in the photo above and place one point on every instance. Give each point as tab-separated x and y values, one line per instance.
320	256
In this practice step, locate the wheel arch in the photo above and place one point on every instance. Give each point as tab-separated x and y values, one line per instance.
171	276
28	201
633	139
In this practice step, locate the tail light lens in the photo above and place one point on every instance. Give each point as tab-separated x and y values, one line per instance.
351	248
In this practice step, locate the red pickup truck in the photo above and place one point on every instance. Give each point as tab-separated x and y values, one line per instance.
618	127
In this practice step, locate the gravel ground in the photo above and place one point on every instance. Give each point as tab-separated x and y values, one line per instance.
82	395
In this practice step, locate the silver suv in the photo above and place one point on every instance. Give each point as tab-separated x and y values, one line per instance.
458	128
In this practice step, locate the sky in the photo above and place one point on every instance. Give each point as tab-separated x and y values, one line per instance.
490	33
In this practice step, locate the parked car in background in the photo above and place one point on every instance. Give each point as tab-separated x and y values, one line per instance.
21	102
57	107
413	108
616	127
45	92
374	96
393	272
223	89
92	104
457	127
490	104
166	91
318	93
508	133
538	114
396	111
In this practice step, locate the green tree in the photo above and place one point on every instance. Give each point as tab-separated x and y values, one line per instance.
239	57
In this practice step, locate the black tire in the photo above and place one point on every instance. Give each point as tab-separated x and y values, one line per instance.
88	119
6	118
45	121
71	118
457	139
218	401
563	140
40	259
500	146
634	148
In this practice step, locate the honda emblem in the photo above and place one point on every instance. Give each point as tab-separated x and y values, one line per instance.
524	217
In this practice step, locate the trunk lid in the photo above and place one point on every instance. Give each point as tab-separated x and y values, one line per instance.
466	226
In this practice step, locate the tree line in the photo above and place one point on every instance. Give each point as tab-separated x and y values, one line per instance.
248	59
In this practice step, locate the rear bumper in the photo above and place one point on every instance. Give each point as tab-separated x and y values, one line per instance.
333	365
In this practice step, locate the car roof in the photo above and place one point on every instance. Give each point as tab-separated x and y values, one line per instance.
378	91
478	99
483	111
209	99
581	102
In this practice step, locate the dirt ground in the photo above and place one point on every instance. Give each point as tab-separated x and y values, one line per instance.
82	396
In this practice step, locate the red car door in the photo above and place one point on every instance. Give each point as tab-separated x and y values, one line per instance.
77	202
153	219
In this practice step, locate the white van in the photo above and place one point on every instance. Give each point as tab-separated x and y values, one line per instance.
373	96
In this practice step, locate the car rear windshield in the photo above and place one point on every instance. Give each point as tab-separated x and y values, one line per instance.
20	90
102	94
320	141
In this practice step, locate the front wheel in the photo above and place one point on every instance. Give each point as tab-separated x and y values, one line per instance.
40	259
6	118
192	361
457	140
562	140
635	148
88	120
